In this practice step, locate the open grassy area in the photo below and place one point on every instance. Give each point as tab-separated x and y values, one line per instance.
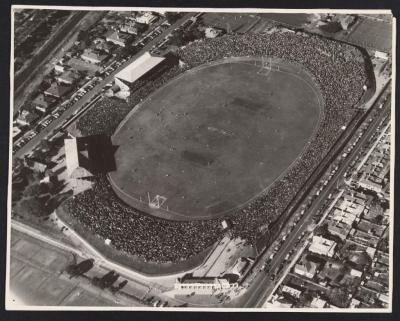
225	126
372	34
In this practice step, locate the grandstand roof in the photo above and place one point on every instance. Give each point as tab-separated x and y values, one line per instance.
73	161
139	67
71	155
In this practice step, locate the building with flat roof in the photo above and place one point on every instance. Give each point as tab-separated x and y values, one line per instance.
356	273
338	228
343	216
139	68
306	268
129	27
354	303
363	238
68	77
322	246
292	291
146	18
93	57
318	303
59	68
204	284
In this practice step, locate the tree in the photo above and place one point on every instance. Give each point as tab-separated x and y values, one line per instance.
33	190
45	187
177	38
351	247
321	230
378	219
31	207
195	33
172	16
83	36
181	37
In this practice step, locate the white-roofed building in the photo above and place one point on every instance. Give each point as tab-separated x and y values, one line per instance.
59	68
381	55
370	251
26	118
306	268
74	169
292	291
322	246
343	216
212	32
240	266
354	303
129	27
384	298
318	303
118	38
203	285
339	228
279	302
139	67
357	273
16	131
90	155
93	57
146	18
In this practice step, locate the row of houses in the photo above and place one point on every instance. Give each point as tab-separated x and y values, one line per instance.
347	264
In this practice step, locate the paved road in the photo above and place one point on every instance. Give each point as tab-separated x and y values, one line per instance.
88	251
131	295
95	91
41	57
139	284
262	285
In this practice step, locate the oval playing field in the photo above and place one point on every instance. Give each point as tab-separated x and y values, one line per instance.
214	138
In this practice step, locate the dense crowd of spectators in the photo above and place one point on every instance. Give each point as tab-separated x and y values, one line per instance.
339	72
109	112
134	232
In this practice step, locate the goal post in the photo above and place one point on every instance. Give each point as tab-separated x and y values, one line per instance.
157	201
266	66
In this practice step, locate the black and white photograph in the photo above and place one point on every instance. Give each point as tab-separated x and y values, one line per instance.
178	159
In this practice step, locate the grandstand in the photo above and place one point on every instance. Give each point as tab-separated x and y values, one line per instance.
139	68
90	155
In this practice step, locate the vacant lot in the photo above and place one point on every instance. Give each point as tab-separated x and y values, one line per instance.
214	138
